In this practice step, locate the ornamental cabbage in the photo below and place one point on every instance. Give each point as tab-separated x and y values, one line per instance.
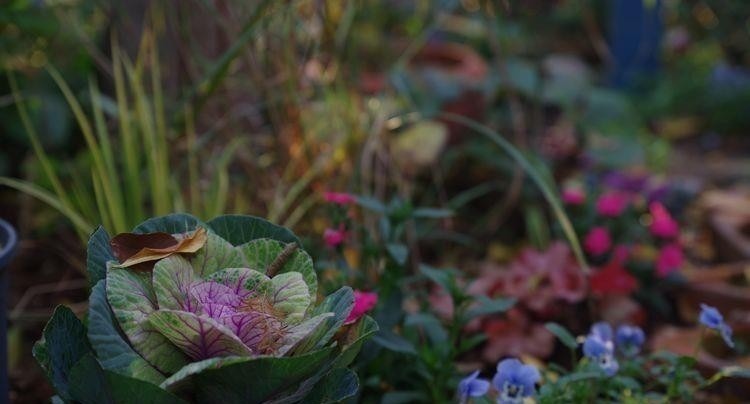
222	311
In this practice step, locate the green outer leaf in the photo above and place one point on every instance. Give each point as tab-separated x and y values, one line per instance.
215	255
63	345
337	386
98	253
340	303
260	253
111	348
173	224
240	229
562	334
132	299
190	332
88	384
182	378
236	380
92	384
127	390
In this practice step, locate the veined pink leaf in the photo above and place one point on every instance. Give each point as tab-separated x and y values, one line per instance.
197	336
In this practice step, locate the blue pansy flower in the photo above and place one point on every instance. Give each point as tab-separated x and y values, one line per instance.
629	339
711	318
515	381
602	330
472	386
600	348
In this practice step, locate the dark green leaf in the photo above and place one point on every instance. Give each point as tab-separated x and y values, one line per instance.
432	213
127	390
394	342
240	229
402	397
562	334
63	345
579	376
88	384
371	204
98	252
398	252
439	276
92	384
431	325
246	380
338	385
486	306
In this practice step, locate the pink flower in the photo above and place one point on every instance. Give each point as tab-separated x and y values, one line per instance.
611	204
597	241
573	196
620	254
339	198
363	302
334	237
662	224
669	260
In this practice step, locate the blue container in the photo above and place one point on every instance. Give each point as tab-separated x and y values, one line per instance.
635	33
8	242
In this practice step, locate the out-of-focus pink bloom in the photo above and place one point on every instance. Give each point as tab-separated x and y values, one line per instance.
597	241
339	198
669	260
611	204
621	254
613	279
574	196
334	237
662	224
363	302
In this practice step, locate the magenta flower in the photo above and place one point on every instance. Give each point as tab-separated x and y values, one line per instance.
669	260
611	204
573	196
334	237
339	198
363	302
597	241
662	225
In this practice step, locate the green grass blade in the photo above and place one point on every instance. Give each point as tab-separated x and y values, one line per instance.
36	145
88	134
83	227
131	161
115	202
546	189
